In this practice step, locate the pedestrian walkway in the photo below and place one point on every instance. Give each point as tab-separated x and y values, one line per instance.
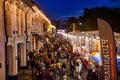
69	77
25	75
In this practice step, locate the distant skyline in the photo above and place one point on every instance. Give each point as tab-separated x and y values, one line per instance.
63	9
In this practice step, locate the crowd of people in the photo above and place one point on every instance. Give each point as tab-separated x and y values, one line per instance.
81	69
46	63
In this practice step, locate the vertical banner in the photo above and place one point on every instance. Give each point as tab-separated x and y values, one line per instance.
107	51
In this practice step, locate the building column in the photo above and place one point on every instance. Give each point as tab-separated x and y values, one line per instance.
2	60
23	56
2	44
31	43
12	62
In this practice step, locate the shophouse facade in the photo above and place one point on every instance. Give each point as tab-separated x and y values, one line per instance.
19	20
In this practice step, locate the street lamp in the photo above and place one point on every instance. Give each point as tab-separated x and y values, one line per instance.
80	23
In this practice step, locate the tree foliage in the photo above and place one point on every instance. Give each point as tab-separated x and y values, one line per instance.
89	19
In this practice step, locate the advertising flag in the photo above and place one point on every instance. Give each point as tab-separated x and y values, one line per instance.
108	54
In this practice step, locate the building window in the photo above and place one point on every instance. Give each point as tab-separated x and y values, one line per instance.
44	28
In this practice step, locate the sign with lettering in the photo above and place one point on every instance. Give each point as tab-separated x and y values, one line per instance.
107	51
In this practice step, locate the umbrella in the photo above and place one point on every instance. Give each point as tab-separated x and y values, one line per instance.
96	57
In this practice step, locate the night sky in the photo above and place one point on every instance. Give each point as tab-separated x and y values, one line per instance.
62	9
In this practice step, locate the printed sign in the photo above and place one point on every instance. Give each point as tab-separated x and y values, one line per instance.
107	51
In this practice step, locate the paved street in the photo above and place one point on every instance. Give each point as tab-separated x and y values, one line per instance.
68	69
27	74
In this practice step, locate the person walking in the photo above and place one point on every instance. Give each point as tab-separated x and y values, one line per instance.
63	72
32	63
78	68
72	66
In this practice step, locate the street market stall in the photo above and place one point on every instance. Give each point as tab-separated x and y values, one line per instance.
88	44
